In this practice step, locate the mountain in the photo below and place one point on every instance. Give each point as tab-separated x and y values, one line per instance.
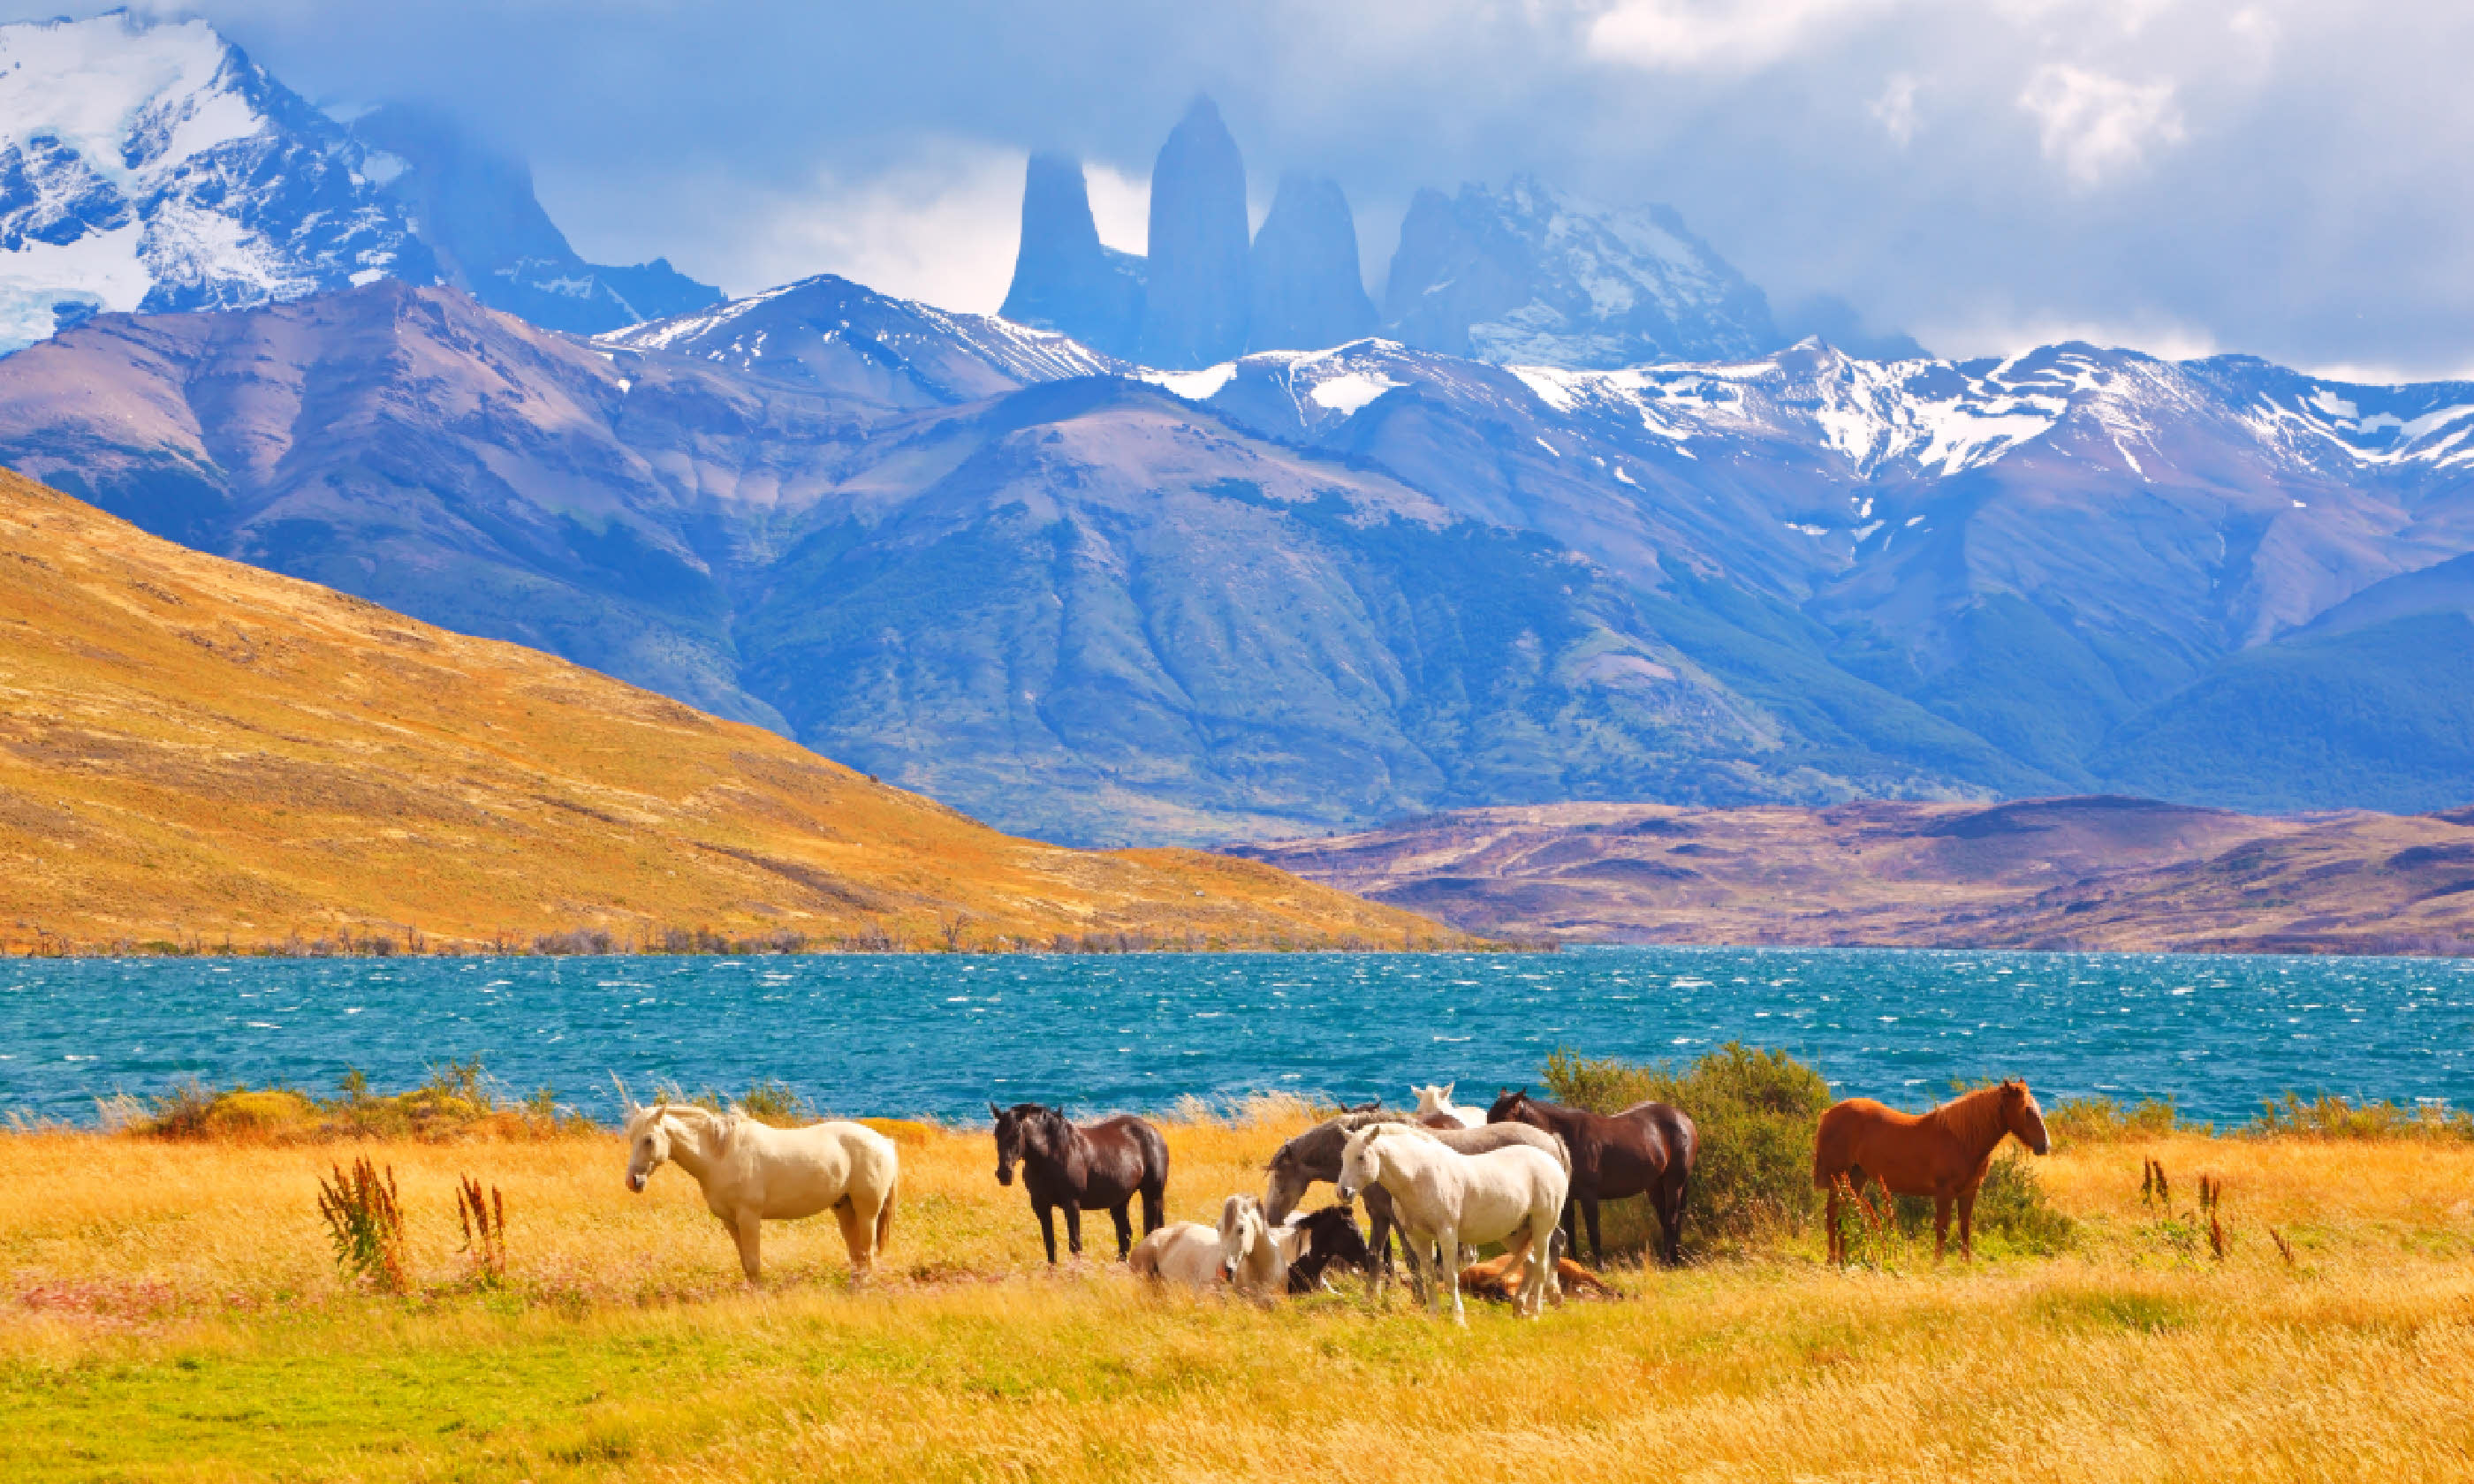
1303	590
197	753
154	167
1304	289
475	207
2099	873
1195	286
150	166
1529	275
1064	279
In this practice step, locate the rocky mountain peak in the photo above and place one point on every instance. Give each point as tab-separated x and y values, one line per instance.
1195	302
1064	278
1306	291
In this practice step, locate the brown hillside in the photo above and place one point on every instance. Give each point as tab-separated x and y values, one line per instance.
194	749
2081	873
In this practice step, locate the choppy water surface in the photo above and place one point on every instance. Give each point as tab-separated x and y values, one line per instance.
943	1035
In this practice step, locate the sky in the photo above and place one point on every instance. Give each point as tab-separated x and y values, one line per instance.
2271	177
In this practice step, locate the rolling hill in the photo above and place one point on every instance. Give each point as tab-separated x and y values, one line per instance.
193	752
2092	873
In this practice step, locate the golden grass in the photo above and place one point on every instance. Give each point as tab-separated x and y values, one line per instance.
170	1312
192	751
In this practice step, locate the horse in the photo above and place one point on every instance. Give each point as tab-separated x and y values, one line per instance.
1315	1155
1182	1251
1447	1202
1942	1154
1092	1166
1647	1149
1326	1239
752	1173
1254	1259
1437	1102
1493	1279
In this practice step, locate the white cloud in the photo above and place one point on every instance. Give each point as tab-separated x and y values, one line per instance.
942	227
1894	111
2093	126
1716	34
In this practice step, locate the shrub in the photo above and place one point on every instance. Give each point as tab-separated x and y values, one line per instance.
770	1100
2100	1120
1757	1112
2335	1118
366	1226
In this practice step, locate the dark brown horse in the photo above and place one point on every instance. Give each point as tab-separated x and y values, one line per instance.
1327	1239
1079	1168
1942	1154
1647	1149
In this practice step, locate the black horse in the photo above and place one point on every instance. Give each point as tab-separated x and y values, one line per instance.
1331	1239
1097	1166
1647	1149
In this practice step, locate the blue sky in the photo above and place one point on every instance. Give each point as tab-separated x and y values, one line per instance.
2186	176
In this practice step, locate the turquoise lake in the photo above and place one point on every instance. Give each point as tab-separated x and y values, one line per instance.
944	1035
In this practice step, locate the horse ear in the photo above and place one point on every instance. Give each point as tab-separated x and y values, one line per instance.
1447	1090
994	1112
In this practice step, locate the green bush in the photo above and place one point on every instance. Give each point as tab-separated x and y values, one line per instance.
2100	1120
2336	1118
1757	1112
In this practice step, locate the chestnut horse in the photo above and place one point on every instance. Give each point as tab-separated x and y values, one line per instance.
1647	1149
1942	1154
1091	1166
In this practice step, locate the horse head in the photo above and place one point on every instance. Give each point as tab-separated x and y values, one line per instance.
1435	1098
648	1143
1288	1183
1358	1162
2020	1116
1022	1130
1241	1233
1508	1105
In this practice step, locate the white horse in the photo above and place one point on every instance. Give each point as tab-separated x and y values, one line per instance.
1449	1204
1182	1251
1254	1255
1439	1100
753	1173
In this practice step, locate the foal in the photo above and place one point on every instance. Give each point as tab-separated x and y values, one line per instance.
1079	1168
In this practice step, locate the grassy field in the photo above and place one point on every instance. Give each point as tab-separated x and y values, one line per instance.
170	1311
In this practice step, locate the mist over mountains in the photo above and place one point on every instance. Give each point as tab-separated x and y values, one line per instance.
1175	549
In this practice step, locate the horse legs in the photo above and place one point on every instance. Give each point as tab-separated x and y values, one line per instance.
1588	1205
1829	1229
1072	1229
1571	1222
748	1231
859	1234
1048	1231
1967	1224
1941	1224
1155	1199
1122	1215
1447	1252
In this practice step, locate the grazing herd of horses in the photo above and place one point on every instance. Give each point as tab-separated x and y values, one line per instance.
1527	1173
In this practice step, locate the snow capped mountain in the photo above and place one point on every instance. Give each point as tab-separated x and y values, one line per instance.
1529	274
830	334
154	167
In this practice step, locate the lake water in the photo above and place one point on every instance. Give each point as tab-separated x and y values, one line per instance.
944	1035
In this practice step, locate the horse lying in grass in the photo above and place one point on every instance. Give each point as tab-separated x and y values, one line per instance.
1448	1202
752	1173
1494	1278
1942	1154
1315	1155
1249	1254
1327	1239
1079	1168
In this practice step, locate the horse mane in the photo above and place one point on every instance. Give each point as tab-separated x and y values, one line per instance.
1976	1116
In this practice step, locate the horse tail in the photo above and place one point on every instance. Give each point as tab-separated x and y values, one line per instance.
884	1215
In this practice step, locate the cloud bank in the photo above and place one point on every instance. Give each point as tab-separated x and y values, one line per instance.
2268	175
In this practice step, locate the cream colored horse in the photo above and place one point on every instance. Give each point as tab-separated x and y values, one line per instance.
753	1173
1256	1256
1448	1203
1439	1100
1182	1251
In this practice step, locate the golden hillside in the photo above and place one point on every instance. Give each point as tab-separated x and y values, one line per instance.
194	751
